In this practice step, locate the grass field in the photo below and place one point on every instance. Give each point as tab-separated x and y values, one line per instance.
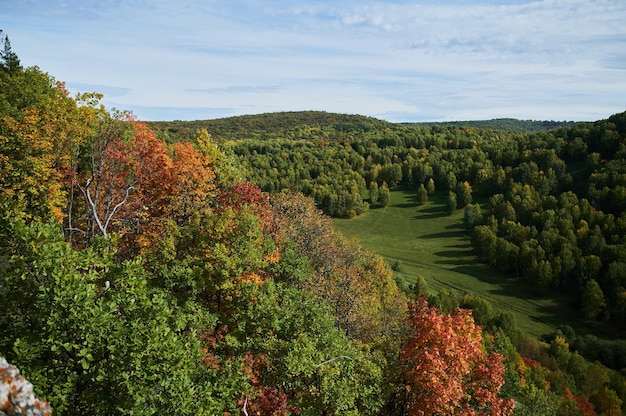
429	242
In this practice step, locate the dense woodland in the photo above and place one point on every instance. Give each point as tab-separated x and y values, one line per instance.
154	268
551	205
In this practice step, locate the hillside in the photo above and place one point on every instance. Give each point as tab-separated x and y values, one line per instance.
156	271
296	125
510	125
550	209
347	163
311	125
425	241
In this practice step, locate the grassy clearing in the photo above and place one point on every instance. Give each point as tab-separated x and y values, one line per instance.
428	242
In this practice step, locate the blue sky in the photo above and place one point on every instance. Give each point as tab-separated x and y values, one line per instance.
425	60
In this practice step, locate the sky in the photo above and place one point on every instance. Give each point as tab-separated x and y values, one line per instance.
401	61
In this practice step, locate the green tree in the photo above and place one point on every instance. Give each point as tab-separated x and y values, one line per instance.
87	329
384	195
536	401
430	186
472	215
422	195
420	287
451	181
464	194
451	203
484	243
300	352
374	193
540	276
9	62
592	300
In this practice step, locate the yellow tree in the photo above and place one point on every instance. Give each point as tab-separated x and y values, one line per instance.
40	130
355	282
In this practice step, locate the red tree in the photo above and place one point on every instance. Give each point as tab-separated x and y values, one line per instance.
446	367
247	194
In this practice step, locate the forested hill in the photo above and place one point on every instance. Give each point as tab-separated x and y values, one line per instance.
293	124
324	125
512	125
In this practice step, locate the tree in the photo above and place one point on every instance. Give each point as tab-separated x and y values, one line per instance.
223	161
384	195
299	359
85	329
484	242
540	276
430	186
103	176
472	215
464	194
451	181
451	202
357	283
592	300
10	63
446	368
607	402
193	187
374	193
422	195
40	129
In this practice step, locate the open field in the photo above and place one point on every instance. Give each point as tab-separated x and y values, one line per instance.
430	243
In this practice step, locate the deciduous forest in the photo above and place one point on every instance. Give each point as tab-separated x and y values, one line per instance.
194	267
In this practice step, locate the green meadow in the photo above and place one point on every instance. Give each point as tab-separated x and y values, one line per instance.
425	240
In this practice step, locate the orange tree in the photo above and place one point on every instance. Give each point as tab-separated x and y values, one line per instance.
446	368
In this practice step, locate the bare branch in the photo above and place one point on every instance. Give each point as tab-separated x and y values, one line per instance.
245	404
118	206
335	359
94	207
109	215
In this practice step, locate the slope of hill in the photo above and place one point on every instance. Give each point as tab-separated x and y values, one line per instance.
324	125
296	124
154	273
553	200
511	125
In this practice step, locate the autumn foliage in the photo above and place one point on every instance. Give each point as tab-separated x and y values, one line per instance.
446	368
152	271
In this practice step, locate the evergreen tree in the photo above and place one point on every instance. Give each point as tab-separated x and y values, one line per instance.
9	62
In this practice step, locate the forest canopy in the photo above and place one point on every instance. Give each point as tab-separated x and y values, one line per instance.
148	271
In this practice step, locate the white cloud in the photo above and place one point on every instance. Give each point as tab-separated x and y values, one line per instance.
420	60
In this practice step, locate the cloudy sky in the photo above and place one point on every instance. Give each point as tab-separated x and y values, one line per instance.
421	60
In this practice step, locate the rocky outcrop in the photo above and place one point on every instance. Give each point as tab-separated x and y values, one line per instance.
16	394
